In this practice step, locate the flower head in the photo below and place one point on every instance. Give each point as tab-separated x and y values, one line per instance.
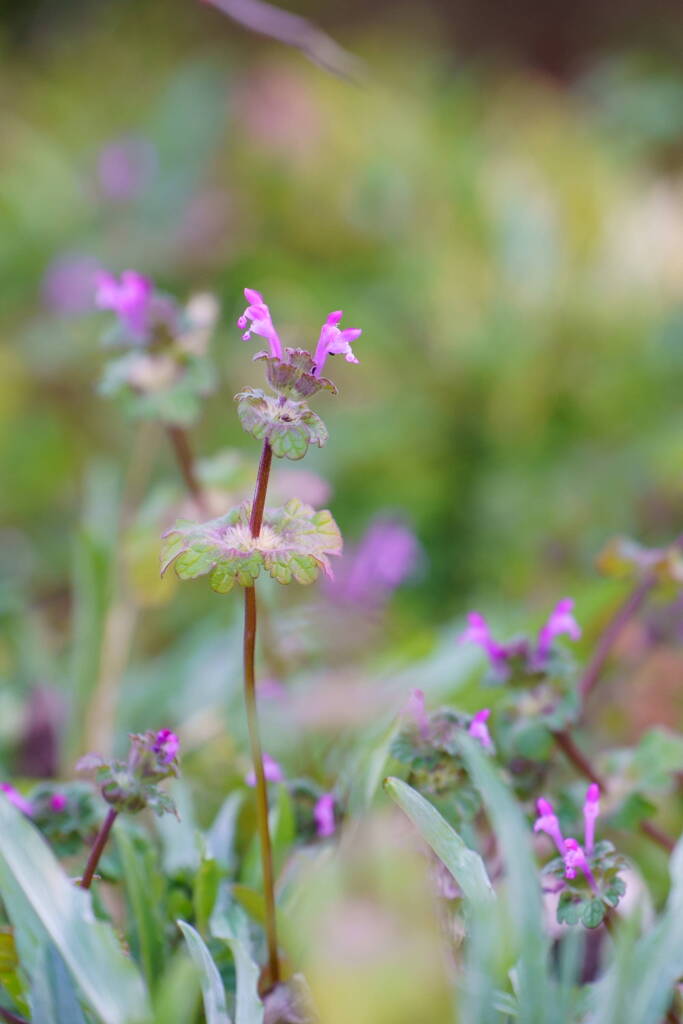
256	319
166	745
547	822
58	802
479	729
271	769
14	797
415	709
130	298
591	810
333	341
574	858
323	813
479	632
561	620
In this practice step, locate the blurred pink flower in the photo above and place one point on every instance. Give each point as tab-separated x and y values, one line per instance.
387	554
58	802
323	814
257	317
415	709
574	858
166	745
69	282
591	810
479	729
547	822
130	298
271	769
333	341
14	797
125	167
561	620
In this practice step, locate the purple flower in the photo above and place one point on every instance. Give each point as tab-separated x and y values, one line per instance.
257	316
574	858
125	167
561	620
271	769
166	745
333	341
323	814
69	282
58	802
479	729
415	708
547	822
130	298
479	632
387	555
14	797
591	810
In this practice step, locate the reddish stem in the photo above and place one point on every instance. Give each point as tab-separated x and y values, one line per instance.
97	849
610	635
11	1018
186	464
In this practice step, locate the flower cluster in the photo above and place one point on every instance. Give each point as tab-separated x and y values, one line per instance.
133	784
587	875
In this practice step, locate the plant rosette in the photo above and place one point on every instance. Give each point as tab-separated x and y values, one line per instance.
587	898
294	543
131	785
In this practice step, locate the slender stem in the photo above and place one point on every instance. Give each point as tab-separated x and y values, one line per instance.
611	634
98	847
576	757
255	522
11	1018
183	452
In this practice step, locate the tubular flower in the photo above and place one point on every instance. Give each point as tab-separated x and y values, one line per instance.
547	822
561	620
166	745
130	298
271	769
256	319
574	858
479	632
323	814
19	801
479	729
415	708
591	810
333	341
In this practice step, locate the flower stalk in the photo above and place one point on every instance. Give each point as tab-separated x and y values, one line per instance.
98	849
261	788
186	464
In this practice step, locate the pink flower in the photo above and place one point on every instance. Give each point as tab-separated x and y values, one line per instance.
479	632
166	745
69	283
333	341
323	814
271	769
479	729
591	810
14	797
58	802
125	167
130	298
415	708
257	316
547	822
561	620
387	554
574	858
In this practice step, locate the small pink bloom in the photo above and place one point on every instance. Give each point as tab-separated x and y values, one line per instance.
130	298
561	620
388	553
479	729
166	745
415	708
333	341
591	810
479	632
125	167
547	822
324	815
574	858
58	802
14	797
256	319
271	769
271	689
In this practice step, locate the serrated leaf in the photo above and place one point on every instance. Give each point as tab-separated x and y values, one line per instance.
569	908
294	374
593	913
288	425
213	993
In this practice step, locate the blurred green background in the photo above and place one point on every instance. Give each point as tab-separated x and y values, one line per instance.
500	212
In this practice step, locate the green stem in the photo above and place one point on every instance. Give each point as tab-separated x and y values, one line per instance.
261	791
98	847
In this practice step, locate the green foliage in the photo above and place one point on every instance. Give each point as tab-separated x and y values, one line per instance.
287	425
213	993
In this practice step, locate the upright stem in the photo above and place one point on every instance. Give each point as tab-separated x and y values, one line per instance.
11	1018
186	464
610	635
98	847
255	522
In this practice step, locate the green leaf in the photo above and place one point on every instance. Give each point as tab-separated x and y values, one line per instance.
213	993
206	882
634	809
464	864
523	886
289	425
658	756
220	839
593	913
139	879
53	997
178	991
569	908
41	899
229	922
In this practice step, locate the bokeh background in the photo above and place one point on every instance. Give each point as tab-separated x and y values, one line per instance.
496	201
